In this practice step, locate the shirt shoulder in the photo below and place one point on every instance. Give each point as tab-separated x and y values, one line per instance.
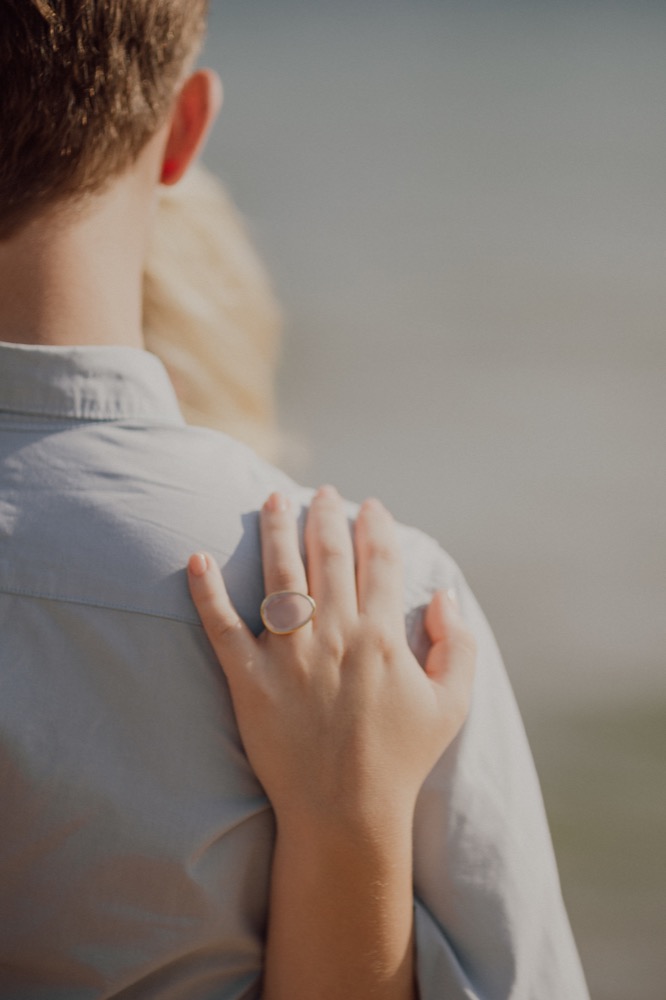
108	513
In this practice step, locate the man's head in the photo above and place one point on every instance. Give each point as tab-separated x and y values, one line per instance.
84	85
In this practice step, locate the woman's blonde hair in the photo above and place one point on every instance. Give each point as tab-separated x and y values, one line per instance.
210	315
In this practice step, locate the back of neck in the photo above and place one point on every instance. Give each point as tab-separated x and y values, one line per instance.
75	277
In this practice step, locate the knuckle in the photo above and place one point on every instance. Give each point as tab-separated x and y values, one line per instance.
331	548
379	640
222	629
382	550
297	671
282	576
332	645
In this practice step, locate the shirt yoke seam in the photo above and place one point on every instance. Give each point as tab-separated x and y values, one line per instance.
104	605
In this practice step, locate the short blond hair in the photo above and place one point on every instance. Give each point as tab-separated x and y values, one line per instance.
210	314
84	84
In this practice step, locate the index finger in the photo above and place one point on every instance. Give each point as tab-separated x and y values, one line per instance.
231	639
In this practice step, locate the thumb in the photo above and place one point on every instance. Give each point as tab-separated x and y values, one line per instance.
451	660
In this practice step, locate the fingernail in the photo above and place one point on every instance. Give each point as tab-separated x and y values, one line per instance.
198	564
327	493
277	503
372	503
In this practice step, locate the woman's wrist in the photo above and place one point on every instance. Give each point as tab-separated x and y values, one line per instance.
341	912
384	842
374	826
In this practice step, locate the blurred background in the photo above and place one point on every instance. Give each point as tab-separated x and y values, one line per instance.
462	207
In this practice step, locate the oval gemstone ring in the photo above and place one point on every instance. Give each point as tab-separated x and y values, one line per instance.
285	611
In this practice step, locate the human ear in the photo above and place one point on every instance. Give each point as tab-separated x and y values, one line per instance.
195	109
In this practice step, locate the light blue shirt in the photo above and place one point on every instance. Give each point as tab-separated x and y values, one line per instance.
135	840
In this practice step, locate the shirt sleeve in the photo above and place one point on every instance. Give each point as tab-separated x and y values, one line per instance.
490	922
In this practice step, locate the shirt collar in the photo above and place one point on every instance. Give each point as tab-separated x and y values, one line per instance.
86	383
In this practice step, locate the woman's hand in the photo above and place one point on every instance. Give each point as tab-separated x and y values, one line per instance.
341	725
338	719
